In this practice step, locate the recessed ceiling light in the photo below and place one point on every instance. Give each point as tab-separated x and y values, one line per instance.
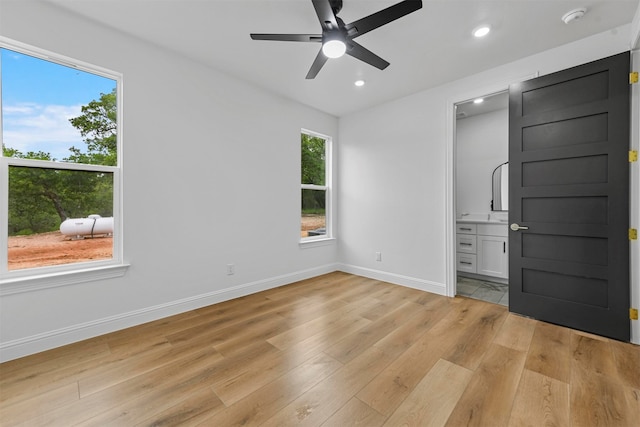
359	83
478	100
574	15
481	31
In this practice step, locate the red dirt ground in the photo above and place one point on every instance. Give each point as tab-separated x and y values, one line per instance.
47	249
311	222
54	248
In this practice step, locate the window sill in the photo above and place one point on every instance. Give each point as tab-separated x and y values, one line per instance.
52	280
324	241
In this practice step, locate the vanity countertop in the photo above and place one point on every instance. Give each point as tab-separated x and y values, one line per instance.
488	218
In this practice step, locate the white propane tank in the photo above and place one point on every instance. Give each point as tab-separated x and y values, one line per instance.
90	226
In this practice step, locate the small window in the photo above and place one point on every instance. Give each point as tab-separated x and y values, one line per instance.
315	189
60	163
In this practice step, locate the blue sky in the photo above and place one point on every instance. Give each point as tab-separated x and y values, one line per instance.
38	99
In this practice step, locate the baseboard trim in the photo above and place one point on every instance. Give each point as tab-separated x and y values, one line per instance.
396	279
45	341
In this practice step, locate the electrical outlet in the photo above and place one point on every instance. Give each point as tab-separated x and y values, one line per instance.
378	256
231	269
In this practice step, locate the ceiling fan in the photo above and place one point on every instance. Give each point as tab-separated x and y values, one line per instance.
337	37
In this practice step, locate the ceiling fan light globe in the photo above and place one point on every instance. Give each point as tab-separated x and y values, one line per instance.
334	48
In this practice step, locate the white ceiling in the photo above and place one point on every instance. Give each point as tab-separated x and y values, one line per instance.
426	48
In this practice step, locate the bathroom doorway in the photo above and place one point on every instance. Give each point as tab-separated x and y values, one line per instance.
481	148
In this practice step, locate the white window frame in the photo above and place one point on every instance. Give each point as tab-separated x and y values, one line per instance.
327	238
29	279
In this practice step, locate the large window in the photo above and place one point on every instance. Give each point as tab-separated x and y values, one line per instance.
60	164
315	190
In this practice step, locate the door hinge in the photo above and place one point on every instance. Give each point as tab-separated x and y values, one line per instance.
633	77
633	313
633	234
633	156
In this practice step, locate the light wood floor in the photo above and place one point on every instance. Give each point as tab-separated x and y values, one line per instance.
337	350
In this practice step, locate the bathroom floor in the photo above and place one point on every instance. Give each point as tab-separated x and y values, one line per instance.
496	293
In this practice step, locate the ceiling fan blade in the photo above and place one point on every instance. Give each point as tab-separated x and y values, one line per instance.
320	60
378	19
289	37
365	55
325	14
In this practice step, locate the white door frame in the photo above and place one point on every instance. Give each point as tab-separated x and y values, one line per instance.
450	171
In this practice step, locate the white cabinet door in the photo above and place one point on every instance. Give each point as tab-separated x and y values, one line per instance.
493	258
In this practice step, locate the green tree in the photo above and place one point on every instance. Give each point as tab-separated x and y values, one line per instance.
313	161
98	126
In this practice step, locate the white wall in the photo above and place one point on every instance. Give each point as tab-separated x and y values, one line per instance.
482	143
397	174
211	176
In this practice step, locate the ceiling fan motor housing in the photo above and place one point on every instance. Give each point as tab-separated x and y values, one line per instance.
337	34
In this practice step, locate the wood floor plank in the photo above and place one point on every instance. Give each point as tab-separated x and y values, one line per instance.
385	392
488	399
105	403
540	401
355	413
384	305
472	345
352	346
389	389
214	333
232	342
322	340
592	356
516	332
37	366
117	370
253	375
24	385
189	412
310	308
432	400
312	286
54	358
265	402
369	308
359	288
550	352
405	335
150	335
396	294
334	350
336	289
304	330
627	360
39	405
597	400
160	400
319	403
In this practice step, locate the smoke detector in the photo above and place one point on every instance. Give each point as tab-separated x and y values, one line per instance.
574	15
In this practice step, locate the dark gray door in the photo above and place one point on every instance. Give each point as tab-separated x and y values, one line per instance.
569	184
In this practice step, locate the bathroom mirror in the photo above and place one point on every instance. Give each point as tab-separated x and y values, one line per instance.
500	188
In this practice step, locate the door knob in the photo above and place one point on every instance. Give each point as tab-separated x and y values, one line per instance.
516	227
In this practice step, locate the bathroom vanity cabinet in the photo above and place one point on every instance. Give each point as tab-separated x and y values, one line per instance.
483	248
